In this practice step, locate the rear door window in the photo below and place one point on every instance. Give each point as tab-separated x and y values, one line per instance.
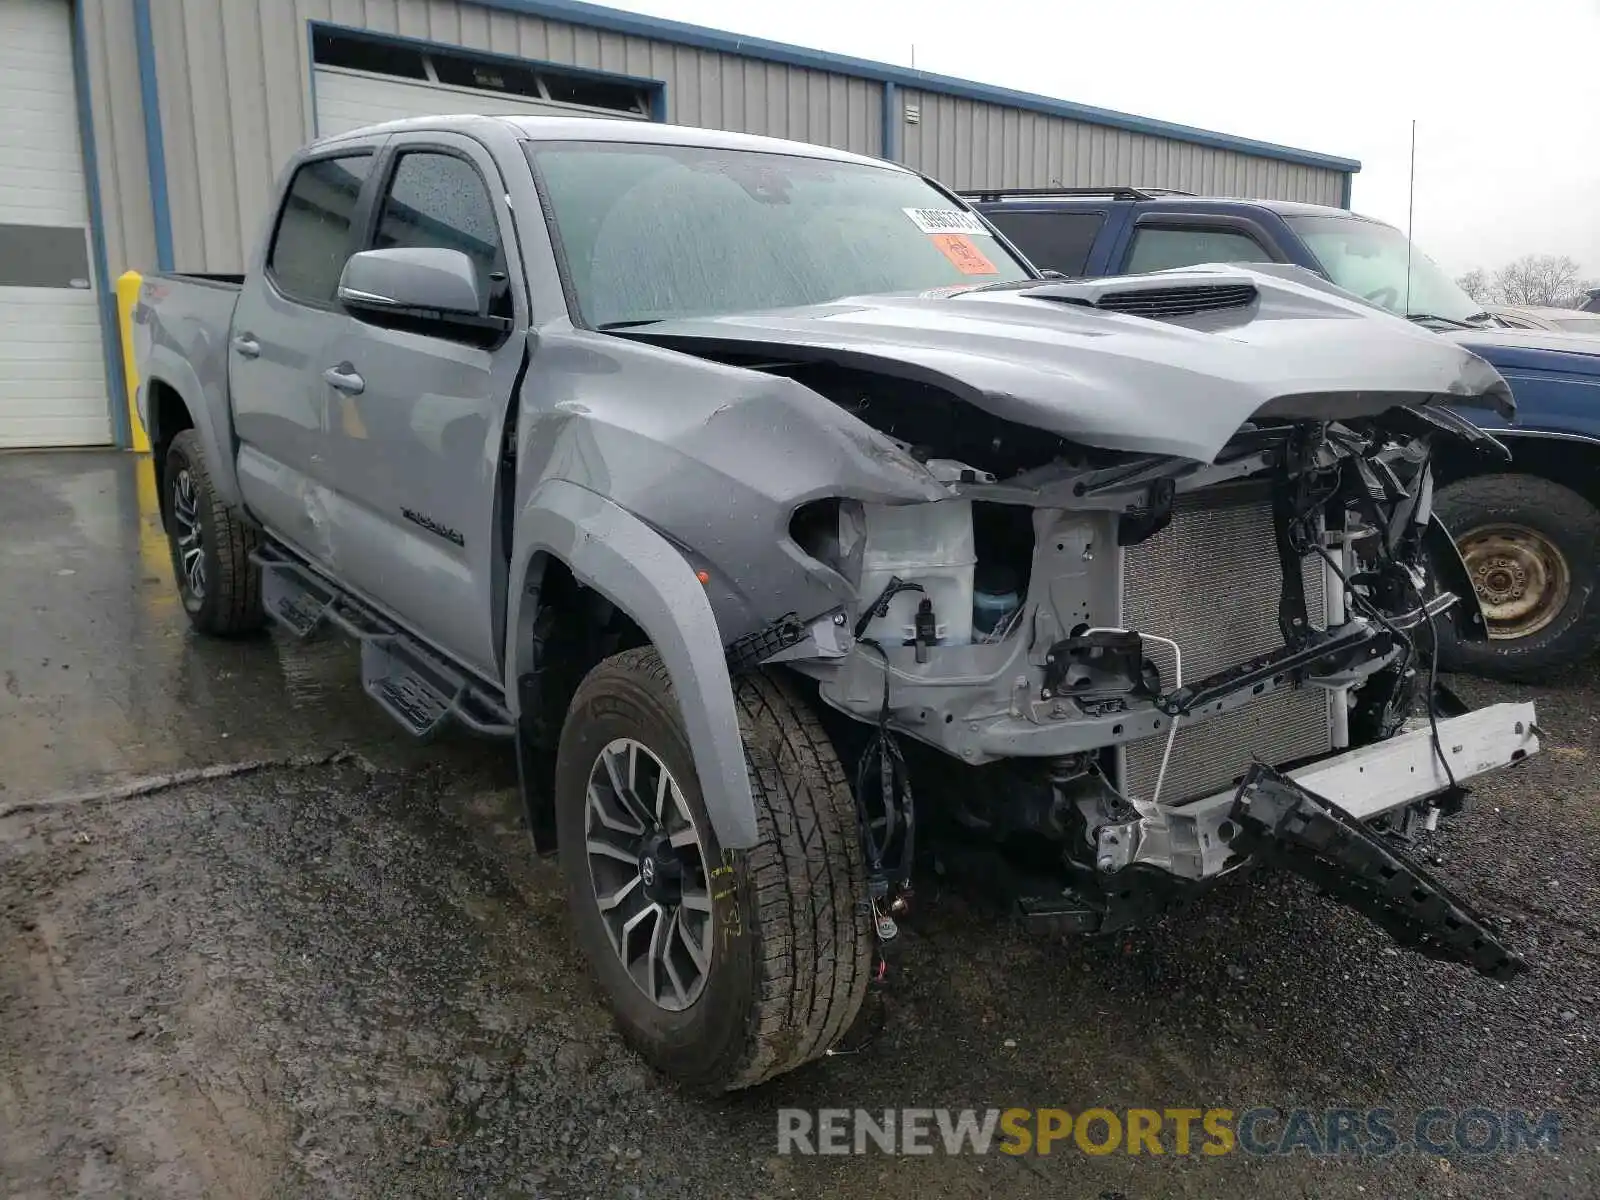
1157	249
1052	241
312	240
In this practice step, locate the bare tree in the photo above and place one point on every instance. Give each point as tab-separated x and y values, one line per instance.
1477	284
1539	279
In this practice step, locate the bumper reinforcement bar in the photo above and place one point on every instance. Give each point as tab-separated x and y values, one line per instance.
1287	824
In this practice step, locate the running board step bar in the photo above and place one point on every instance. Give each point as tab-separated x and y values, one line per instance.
415	686
1293	827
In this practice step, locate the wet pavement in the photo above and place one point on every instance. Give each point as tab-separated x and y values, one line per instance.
351	978
101	677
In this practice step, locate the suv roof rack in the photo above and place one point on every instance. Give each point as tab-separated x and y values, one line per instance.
1116	193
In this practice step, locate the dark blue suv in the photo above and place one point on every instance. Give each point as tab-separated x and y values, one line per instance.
1530	531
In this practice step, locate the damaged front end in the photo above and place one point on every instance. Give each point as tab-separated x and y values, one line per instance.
1111	647
1180	533
1125	649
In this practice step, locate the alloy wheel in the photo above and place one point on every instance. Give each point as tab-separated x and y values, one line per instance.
647	866
190	537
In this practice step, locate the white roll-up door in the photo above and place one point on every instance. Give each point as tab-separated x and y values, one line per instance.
52	363
348	99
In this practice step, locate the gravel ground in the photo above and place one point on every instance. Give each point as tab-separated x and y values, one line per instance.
325	980
350	977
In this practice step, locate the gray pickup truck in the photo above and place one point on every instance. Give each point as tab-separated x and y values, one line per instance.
750	488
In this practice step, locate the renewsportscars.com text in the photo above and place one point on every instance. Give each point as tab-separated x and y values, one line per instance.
1332	1132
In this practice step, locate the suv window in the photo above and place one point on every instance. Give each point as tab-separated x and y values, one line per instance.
313	236
1157	249
438	200
1054	241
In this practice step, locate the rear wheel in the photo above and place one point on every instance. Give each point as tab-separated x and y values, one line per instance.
211	546
722	968
1530	547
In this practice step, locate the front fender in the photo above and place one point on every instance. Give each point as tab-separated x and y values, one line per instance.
611	551
165	366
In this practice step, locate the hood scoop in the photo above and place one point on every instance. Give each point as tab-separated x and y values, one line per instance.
1161	303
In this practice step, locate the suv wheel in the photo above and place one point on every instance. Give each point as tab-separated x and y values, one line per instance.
722	968
211	546
1530	546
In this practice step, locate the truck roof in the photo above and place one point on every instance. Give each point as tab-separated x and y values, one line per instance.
610	129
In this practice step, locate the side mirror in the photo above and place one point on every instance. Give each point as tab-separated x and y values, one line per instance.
425	289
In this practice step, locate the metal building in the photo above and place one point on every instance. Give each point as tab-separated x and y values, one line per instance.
147	134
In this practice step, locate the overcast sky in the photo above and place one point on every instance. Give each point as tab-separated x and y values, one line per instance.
1506	93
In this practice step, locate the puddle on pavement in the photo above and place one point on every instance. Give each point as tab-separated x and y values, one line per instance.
317	671
104	678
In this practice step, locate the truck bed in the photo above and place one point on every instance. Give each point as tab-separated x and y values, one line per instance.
184	318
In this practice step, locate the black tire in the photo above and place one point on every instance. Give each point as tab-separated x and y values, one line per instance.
791	930
227	601
1566	524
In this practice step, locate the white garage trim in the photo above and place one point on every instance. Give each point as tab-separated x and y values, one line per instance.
53	354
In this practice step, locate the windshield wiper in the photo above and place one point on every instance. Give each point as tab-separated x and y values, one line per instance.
610	325
1420	317
1016	284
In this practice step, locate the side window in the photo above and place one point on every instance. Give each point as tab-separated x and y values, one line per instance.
439	200
1052	241
1156	249
312	240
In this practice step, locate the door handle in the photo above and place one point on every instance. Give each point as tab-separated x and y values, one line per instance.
344	378
247	346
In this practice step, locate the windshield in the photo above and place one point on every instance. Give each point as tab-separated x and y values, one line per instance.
1369	259
654	232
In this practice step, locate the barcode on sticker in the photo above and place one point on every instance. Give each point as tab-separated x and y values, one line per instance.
947	220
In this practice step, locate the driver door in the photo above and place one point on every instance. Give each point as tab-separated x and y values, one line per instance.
415	419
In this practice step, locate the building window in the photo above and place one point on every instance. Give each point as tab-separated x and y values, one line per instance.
368	54
449	67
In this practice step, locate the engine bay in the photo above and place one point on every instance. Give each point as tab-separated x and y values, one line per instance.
1112	646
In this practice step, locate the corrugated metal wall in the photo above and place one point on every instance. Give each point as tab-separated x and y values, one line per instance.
235	95
118	114
234	82
967	144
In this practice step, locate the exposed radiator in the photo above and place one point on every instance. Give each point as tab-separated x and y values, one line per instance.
1210	581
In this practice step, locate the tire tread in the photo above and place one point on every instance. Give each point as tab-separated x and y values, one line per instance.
804	883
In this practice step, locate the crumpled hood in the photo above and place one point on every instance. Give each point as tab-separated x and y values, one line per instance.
1051	357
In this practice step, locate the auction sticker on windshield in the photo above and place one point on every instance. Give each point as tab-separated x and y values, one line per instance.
947	220
958	248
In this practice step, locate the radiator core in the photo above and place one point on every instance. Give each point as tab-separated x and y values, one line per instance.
1210	581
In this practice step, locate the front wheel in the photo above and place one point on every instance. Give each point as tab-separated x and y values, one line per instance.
1530	547
211	546
722	968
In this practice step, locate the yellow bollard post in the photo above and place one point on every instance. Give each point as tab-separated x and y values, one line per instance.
127	296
